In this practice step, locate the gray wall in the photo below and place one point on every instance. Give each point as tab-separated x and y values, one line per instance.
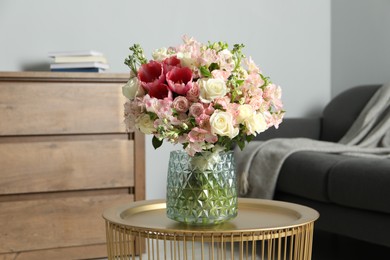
313	49
360	43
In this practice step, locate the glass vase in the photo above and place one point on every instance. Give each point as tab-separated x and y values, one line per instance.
201	190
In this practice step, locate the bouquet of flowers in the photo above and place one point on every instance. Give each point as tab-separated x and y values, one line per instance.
203	96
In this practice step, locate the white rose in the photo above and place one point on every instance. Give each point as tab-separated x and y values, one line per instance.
145	124
132	88
222	124
244	111
210	89
160	54
255	123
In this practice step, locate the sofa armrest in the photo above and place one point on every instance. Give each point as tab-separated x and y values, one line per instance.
293	127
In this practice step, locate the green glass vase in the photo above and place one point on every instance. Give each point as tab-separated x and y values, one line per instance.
201	190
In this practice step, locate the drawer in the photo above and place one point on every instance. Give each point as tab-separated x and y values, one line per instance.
58	221
60	108
30	165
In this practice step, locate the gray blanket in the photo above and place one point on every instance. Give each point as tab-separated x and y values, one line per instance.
259	163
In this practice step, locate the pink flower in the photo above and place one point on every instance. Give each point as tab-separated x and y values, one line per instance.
208	109
220	74
196	109
164	108
203	121
179	80
150	104
193	92
252	67
181	104
223	101
256	103
255	80
273	94
193	148
197	135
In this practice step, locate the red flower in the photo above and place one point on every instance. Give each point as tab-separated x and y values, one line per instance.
170	63
152	78
151	74
179	80
160	91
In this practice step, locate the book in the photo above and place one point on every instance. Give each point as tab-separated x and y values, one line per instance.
79	65
78	70
75	53
70	59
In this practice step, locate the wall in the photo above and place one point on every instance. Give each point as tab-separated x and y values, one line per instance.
360	43
290	40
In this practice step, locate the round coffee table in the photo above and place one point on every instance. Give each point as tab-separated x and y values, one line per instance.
263	229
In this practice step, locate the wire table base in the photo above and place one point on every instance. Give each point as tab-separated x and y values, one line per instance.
263	230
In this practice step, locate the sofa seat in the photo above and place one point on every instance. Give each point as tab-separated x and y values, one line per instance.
361	183
355	182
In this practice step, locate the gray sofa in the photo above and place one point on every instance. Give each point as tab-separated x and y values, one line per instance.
352	194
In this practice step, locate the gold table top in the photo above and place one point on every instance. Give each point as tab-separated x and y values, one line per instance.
253	215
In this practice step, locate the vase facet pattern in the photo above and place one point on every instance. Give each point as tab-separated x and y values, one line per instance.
202	189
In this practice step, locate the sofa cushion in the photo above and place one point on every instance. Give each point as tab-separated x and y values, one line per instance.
305	174
362	183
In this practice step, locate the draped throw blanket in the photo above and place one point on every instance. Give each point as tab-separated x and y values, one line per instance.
258	165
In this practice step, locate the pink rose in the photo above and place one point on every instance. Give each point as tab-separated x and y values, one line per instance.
196	109
181	104
179	80
193	92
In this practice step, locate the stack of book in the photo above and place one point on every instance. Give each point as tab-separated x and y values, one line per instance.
78	61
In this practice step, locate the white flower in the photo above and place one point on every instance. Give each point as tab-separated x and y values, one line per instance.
226	58
222	124
145	124
160	54
256	123
132	88
186	59
244	111
210	89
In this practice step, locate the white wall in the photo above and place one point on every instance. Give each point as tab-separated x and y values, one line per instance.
360	43
290	40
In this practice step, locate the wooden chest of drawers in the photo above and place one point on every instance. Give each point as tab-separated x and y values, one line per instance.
64	158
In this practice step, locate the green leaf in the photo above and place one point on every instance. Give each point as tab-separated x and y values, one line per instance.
213	66
205	72
241	144
156	142
249	138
